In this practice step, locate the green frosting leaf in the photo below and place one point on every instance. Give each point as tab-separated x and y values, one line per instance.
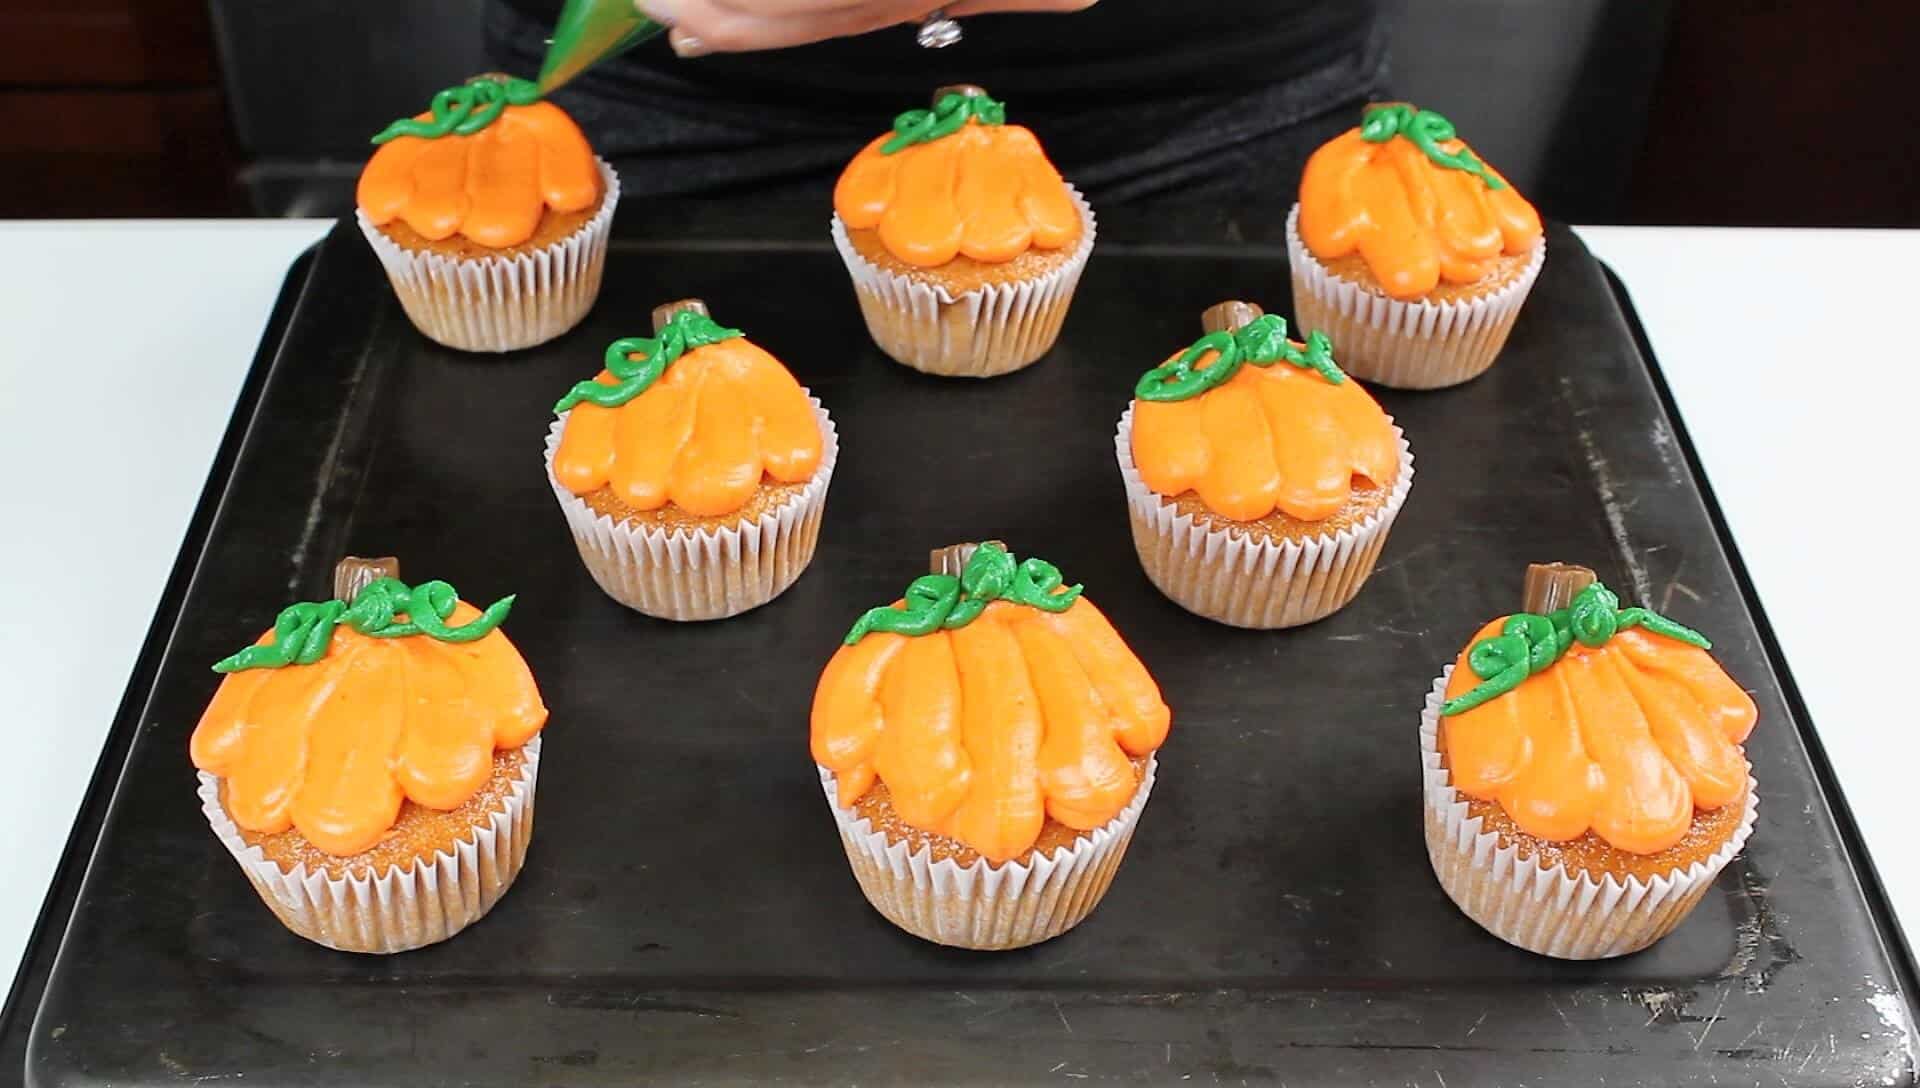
1261	342
946	117
1426	129
936	602
464	110
302	632
1529	643
687	330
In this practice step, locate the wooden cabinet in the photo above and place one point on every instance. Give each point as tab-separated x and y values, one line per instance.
112	107
1783	113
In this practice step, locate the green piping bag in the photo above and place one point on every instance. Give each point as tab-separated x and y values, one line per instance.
588	32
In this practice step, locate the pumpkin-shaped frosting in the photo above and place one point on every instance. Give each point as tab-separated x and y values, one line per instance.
1252	422
1596	718
696	417
1414	201
487	161
988	703
957	181
340	713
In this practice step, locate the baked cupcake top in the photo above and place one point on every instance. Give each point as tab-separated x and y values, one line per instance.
1414	201
1596	718
487	161
958	181
343	711
988	703
1254	423
697	416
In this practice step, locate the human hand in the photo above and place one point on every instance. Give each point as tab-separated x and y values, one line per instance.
733	26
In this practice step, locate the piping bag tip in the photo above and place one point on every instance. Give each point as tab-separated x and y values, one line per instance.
588	32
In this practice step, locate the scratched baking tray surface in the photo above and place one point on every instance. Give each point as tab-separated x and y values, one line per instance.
686	912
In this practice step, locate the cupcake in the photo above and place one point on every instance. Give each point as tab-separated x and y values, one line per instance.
986	746
490	214
693	470
371	765
1585	780
1408	250
1260	481
963	242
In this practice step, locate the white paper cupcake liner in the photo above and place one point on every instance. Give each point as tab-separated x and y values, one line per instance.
1553	912
411	907
1405	345
680	574
994	330
1245	579
501	303
983	906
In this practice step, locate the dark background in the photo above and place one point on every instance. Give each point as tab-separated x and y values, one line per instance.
1730	112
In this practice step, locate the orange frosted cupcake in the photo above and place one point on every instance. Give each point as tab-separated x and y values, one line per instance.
1411	252
1585	780
1261	482
987	746
371	765
693	470
963	241
490	214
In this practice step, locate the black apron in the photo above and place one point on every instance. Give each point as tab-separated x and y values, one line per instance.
1212	101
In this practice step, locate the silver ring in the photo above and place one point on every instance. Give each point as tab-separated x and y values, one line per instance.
937	31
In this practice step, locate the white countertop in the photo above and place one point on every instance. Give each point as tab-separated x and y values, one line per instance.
1789	353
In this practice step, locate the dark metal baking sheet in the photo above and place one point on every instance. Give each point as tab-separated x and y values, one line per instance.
686	913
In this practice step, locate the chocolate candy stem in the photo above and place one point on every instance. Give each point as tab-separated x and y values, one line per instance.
1552	586
971	90
952	559
663	313
1229	316
354	573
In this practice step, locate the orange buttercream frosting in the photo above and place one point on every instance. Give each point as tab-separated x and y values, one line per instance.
984	731
333	748
1416	223
986	192
492	186
718	421
1269	438
1625	740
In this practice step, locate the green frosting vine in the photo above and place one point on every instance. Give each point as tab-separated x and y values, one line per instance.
937	601
945	118
1262	342
1529	643
1426	129
466	109
302	632
687	330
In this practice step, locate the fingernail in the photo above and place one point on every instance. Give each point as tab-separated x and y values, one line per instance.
663	12
687	45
